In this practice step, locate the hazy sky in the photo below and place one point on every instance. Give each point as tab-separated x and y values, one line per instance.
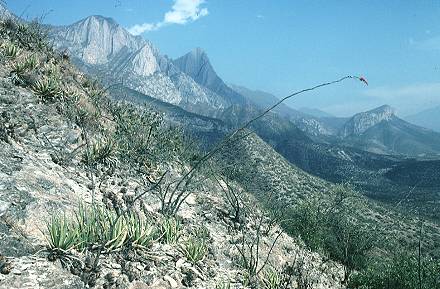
284	45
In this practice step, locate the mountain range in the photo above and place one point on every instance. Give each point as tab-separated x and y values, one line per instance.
189	92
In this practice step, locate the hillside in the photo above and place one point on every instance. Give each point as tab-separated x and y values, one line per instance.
72	157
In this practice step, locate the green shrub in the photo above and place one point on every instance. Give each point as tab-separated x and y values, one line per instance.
401	272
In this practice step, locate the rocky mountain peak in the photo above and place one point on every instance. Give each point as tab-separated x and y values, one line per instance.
96	39
361	122
197	65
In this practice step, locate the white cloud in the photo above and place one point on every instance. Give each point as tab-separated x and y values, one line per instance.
141	28
182	12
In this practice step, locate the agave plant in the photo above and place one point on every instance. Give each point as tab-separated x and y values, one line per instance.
30	62
11	50
194	250
63	235
17	73
223	285
101	151
116	232
271	279
91	223
170	231
48	89
140	233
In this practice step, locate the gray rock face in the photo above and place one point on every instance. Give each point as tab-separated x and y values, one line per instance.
101	47
96	40
197	65
361	122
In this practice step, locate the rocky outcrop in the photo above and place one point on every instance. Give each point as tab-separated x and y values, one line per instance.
196	64
361	122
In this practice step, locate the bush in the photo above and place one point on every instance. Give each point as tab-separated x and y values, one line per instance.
401	272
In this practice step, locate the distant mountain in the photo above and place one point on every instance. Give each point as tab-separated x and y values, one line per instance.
264	100
429	118
196	64
360	122
315	112
381	131
102	47
311	125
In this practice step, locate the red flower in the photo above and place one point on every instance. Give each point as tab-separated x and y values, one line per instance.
363	80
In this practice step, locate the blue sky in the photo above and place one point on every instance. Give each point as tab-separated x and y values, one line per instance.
284	45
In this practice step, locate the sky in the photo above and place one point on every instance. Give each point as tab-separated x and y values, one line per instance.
283	46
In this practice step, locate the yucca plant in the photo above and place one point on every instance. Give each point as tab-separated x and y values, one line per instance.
194	250
11	50
63	235
170	231
48	89
140	233
271	279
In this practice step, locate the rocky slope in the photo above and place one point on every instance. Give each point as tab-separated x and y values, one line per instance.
54	124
